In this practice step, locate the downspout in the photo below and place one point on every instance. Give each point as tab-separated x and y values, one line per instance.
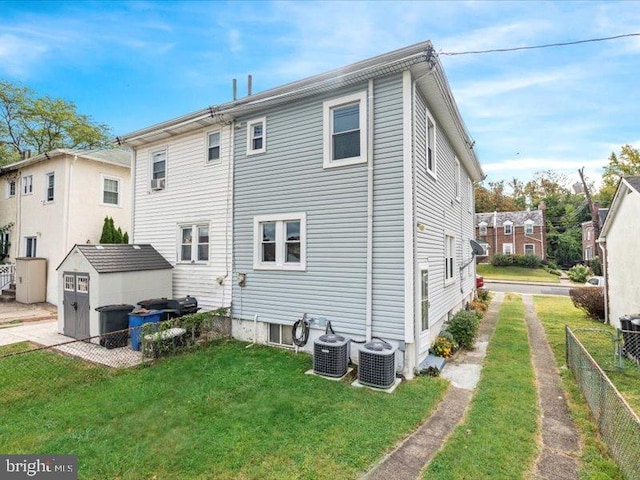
229	213
495	232
132	186
20	186
369	293
68	204
603	248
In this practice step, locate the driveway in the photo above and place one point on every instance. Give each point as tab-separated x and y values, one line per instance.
529	288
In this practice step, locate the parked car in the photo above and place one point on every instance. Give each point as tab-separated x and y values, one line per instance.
595	282
479	281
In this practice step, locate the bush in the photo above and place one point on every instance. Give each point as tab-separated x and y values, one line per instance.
527	261
596	266
478	306
483	295
579	273
590	300
443	347
464	328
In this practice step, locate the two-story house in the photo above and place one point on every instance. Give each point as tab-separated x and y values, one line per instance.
347	196
512	233
59	198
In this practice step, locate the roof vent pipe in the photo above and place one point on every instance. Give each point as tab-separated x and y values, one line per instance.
235	89
249	85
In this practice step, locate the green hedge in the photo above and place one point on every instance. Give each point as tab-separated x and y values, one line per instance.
527	261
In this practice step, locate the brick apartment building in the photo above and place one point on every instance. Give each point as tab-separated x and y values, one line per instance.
589	246
512	233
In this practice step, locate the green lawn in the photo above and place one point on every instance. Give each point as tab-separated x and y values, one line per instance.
498	438
555	313
224	412
489	272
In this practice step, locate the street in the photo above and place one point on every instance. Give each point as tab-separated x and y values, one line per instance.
527	288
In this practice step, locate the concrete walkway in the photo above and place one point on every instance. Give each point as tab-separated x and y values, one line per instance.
560	438
15	312
413	454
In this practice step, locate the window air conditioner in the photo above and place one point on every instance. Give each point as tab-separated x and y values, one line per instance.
157	184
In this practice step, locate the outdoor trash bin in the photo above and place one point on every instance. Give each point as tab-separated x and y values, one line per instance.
114	318
136	320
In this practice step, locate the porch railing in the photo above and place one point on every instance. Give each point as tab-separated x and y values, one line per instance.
7	275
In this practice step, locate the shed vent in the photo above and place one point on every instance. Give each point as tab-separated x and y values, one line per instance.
331	355
377	364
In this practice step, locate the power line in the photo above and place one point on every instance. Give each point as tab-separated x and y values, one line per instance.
548	45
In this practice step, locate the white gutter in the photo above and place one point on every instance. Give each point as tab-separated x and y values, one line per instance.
603	248
132	186
368	321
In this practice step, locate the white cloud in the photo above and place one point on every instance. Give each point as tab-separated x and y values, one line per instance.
18	55
235	43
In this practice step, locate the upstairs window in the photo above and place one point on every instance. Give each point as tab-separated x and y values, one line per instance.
50	182
257	136
528	227
279	242
213	146
345	133
110	191
431	146
27	185
158	170
11	188
482	227
508	228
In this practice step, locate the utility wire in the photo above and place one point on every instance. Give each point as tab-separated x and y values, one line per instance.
548	45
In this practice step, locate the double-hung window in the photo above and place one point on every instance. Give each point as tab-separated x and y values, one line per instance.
4	243
279	242
50	182
449	258
431	146
110	191
257	136
528	227
345	130
194	243
11	189
213	146
507	248
508	228
158	170
27	185
529	249
482	227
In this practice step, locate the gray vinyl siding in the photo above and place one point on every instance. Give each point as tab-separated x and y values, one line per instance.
289	178
437	208
196	193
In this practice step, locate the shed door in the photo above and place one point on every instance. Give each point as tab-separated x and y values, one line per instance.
76	305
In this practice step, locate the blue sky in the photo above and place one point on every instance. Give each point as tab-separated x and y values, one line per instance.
133	64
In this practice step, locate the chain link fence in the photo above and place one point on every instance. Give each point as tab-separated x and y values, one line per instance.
27	370
618	424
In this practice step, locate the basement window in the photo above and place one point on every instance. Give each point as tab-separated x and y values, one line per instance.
281	334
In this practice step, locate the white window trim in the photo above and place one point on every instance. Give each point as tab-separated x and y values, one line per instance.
327	106
34	244
280	264
24	185
194	243
504	248
15	188
508	224
104	177
280	343
251	123
457	174
588	234
482	228
532	245
528	224
452	279
433	172
164	150
46	187
206	147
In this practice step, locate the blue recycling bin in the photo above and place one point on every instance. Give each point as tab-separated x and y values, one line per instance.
136	320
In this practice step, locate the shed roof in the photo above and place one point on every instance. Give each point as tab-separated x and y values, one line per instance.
122	258
634	182
517	218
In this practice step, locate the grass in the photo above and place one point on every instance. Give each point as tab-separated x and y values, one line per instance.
555	313
489	272
222	412
498	438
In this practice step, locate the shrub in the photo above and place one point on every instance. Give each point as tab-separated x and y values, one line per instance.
483	295
478	306
464	328
590	300
443	347
596	266
527	261
579	273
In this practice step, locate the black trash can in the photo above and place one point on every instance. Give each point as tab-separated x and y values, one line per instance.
635	337
114	318
154	304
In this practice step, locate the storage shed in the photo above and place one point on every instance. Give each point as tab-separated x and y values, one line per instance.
91	276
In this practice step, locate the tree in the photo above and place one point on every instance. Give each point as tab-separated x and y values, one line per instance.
626	163
40	124
493	198
111	234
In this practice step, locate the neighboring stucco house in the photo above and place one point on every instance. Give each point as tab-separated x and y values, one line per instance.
60	198
589	246
349	195
619	237
510	233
